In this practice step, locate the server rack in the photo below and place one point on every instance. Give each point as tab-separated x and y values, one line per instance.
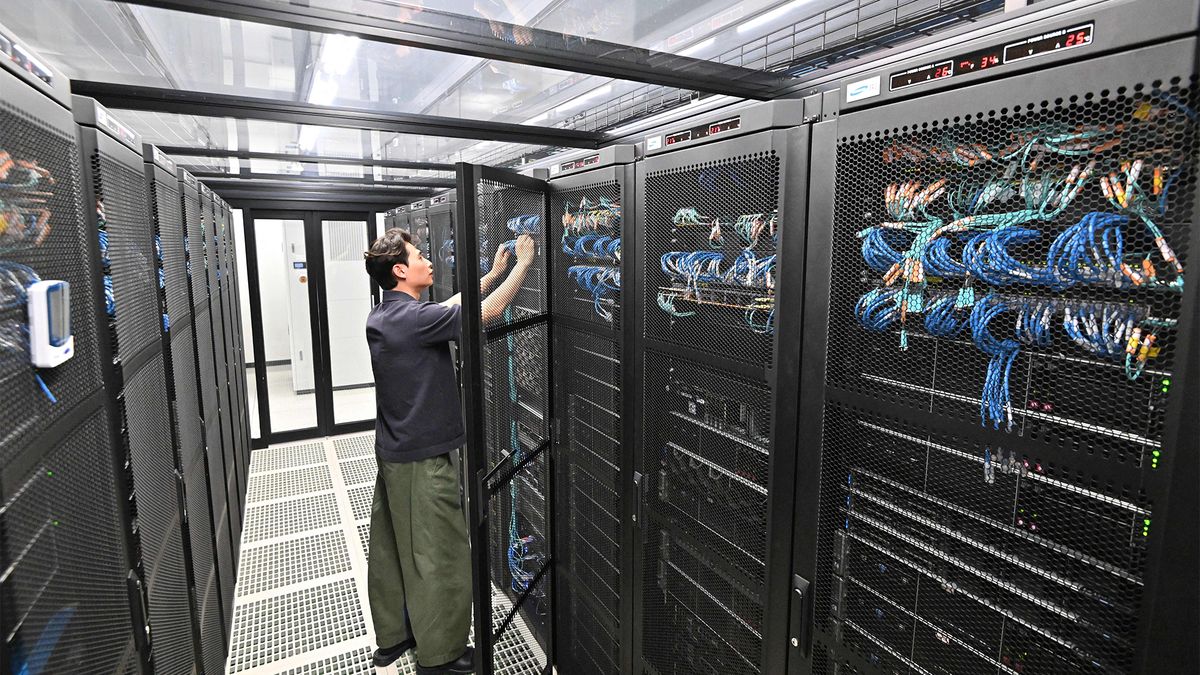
118	213
998	494
401	217
232	416
721	236
238	395
68	583
221	422
508	404
184	396
589	222
221	581
435	225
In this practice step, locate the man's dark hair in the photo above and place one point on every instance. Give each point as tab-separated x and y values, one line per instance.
385	252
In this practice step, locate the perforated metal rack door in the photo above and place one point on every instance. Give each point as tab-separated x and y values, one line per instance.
509	408
122	211
992	490
589	536
65	599
49	204
702	302
718	359
586	226
440	229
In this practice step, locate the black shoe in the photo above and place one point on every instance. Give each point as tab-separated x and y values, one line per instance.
385	657
463	665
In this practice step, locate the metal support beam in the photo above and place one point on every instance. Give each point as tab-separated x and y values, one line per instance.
184	151
474	36
207	104
329	180
351	189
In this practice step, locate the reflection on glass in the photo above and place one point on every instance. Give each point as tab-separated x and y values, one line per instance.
348	296
239	242
287	331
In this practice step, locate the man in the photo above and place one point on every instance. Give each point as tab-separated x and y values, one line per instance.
419	563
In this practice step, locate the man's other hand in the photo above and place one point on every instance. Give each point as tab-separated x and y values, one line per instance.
500	264
526	250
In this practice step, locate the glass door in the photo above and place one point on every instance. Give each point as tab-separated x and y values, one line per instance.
309	300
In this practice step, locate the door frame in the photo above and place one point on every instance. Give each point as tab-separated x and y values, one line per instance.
318	313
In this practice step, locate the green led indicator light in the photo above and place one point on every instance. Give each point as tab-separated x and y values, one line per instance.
50	474
54	522
1146	522
1166	381
1157	453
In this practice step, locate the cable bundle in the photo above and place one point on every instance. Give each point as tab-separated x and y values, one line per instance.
693	268
751	226
748	270
590	216
600	282
876	310
1126	195
24	218
995	404
1102	329
599	246
527	224
1091	251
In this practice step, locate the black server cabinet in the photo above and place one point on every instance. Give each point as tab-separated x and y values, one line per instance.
389	219
226	293
400	218
720	244
212	606
118	213
237	382
435	225
221	422
589	224
508	407
184	396
1007	449
64	595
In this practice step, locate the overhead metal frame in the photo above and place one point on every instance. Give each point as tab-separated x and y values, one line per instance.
185	151
472	36
208	176
208	104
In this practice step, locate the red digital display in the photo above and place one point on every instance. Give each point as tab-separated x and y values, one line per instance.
991	57
580	163
704	131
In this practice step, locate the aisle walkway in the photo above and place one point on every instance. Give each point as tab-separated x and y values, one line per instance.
300	606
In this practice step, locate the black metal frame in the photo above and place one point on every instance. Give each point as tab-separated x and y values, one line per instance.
782	376
473	36
480	484
1166	639
186	151
225	177
318	310
154	99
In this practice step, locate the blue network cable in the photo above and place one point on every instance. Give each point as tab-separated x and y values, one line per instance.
528	224
600	282
995	404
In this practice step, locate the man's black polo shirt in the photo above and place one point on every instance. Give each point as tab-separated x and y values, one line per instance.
417	410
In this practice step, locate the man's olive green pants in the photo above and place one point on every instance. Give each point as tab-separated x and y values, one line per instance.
420	560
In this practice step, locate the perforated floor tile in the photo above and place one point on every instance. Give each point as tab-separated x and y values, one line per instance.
292	562
287	457
289	483
516	652
364	536
266	631
355	446
357	662
279	519
359	471
360	500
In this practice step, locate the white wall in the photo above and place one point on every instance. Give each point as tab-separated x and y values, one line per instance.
273	276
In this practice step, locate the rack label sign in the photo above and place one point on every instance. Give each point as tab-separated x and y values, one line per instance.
653	142
862	89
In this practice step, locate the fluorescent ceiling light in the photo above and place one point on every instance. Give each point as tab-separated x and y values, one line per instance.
764	19
337	53
698	47
308	138
539	118
324	89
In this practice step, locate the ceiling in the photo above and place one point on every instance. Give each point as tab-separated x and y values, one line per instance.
108	41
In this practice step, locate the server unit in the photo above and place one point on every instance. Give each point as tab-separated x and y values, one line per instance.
436	227
114	185
233	417
719	250
508	411
69	576
182	391
1008	455
401	217
591	200
221	582
223	426
238	394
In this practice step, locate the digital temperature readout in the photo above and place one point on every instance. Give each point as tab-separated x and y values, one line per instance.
580	163
704	131
982	59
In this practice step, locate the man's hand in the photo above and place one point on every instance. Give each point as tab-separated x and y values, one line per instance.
500	263
526	250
